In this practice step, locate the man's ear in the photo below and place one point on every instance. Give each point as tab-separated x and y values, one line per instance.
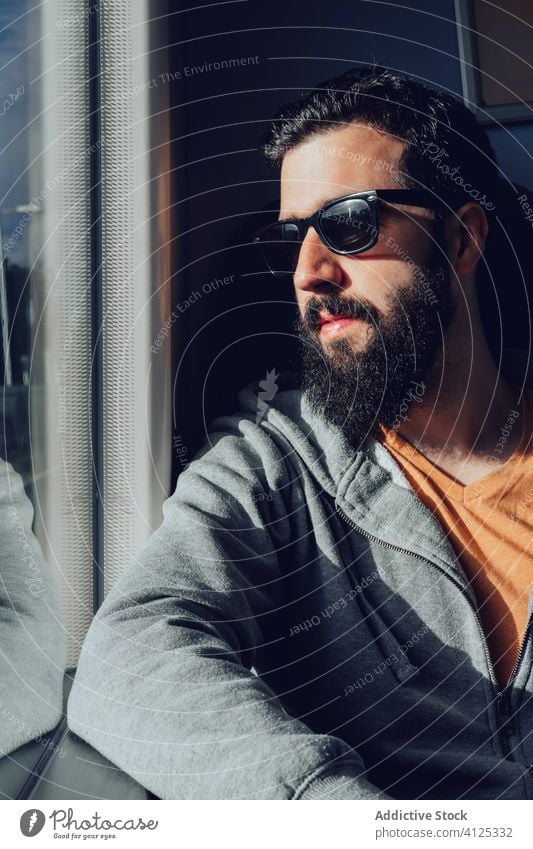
466	231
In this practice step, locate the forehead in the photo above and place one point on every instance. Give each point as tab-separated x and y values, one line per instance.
335	163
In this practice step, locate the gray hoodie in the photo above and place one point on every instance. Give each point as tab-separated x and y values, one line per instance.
32	633
300	628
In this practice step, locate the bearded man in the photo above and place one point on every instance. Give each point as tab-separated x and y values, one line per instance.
337	603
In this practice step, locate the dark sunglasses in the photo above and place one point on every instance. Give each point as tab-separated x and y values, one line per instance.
347	225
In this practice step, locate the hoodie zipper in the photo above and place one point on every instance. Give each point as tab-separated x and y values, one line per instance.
506	716
504	713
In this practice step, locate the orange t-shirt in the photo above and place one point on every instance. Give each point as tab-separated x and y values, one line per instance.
490	526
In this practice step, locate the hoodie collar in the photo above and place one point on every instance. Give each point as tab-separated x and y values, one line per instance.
366	482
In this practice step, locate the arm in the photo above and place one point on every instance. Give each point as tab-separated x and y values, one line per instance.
164	686
32	637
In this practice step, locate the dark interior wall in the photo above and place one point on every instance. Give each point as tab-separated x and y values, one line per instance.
233	331
513	145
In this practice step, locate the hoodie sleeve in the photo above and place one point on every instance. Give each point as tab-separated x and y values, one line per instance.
32	635
165	686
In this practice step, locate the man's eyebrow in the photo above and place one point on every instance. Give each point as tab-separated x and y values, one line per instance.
319	205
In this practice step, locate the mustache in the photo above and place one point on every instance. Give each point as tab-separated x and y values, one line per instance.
338	306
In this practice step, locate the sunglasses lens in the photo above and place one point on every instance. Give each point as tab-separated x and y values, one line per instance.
348	226
280	246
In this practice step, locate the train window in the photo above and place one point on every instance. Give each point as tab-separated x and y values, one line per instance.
83	471
43	209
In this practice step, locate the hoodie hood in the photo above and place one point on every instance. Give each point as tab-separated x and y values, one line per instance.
322	446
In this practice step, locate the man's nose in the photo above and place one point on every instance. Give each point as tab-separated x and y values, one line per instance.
317	267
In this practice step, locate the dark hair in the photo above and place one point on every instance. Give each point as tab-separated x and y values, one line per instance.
429	120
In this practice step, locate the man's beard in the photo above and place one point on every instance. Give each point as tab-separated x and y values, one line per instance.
355	390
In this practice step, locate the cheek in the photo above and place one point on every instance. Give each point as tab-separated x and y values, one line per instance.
301	300
379	281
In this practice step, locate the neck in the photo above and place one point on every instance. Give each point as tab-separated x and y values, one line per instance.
466	401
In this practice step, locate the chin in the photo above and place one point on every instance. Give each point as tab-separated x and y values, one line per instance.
357	338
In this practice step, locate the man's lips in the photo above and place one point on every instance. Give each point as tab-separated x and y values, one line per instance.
330	325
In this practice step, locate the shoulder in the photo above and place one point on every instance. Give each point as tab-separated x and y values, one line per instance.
254	440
